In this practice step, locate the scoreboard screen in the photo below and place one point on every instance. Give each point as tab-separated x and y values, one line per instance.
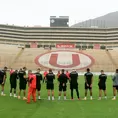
62	21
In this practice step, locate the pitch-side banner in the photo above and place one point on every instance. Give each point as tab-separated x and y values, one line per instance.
65	45
33	45
96	46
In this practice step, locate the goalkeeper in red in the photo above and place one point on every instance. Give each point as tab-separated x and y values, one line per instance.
32	87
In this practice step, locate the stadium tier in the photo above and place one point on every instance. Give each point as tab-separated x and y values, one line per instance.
57	48
32	58
82	37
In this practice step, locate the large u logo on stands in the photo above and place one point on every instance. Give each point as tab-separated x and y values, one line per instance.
64	59
54	58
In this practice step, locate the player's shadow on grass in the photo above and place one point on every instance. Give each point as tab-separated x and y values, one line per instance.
46	103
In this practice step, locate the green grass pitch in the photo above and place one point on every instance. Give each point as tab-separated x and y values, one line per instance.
13	108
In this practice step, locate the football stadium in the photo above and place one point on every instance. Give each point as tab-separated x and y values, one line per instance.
39	47
60	48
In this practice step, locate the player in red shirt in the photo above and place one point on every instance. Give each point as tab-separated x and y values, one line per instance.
58	74
11	71
32	87
68	74
44	76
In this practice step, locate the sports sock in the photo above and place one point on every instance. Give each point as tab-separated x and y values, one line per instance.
64	97
52	97
105	97
59	97
48	97
39	97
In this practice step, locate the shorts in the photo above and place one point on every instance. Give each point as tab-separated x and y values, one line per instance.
73	86
115	86
13	85
88	87
62	88
38	87
50	86
22	86
102	87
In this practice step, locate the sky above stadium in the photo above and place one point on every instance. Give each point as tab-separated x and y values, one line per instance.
38	12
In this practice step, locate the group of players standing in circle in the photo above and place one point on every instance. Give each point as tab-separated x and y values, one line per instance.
34	83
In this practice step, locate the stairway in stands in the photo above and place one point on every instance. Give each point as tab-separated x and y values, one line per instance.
17	57
111	58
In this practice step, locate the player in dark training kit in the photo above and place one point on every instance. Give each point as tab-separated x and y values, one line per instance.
38	82
50	83
22	82
3	79
102	84
13	82
115	84
88	83
62	84
73	83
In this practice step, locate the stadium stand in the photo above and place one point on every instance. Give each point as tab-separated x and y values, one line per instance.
102	60
33	41
17	57
7	54
26	57
114	57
